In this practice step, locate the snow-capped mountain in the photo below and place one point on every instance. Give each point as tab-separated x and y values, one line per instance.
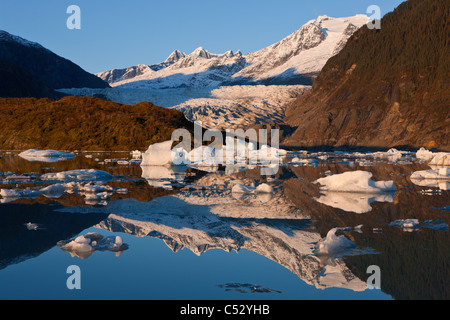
294	60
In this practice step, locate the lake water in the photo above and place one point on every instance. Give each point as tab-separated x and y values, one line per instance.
185	236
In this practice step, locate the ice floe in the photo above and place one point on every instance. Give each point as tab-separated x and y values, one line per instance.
333	244
440	159
434	158
410	225
84	246
78	175
45	155
355	181
435	178
161	154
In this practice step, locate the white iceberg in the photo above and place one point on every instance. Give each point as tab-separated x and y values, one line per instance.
53	191
435	174
436	178
45	155
440	159
435	158
333	244
19	193
84	246
355	181
391	155
78	175
159	154
406	224
424	154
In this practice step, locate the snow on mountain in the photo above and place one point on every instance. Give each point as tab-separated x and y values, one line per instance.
5	36
305	51
232	90
291	60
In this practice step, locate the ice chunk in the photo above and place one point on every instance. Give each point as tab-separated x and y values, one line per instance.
158	154
264	188
406	224
355	181
435	174
53	191
333	244
78	175
440	159
424	154
19	193
45	155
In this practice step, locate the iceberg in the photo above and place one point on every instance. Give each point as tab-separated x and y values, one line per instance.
406	224
45	155
158	154
440	159
435	174
333	244
78	175
355	181
424	154
435	158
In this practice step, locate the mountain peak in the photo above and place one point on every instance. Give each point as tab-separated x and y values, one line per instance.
200	52
6	36
175	56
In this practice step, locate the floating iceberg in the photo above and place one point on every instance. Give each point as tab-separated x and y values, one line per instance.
355	181
53	191
391	155
78	175
45	155
161	154
333	244
436	174
158	154
440	159
19	193
84	246
406	224
437	178
435	158
424	154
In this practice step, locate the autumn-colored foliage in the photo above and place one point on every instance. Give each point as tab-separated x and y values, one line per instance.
84	123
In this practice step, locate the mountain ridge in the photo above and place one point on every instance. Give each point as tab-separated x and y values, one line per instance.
386	88
202	68
51	69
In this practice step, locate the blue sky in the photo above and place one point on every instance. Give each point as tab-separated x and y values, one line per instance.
117	33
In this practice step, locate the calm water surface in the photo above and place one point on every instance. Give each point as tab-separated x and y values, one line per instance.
187	236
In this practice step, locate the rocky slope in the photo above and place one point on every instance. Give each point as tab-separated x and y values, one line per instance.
51	69
386	88
18	82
